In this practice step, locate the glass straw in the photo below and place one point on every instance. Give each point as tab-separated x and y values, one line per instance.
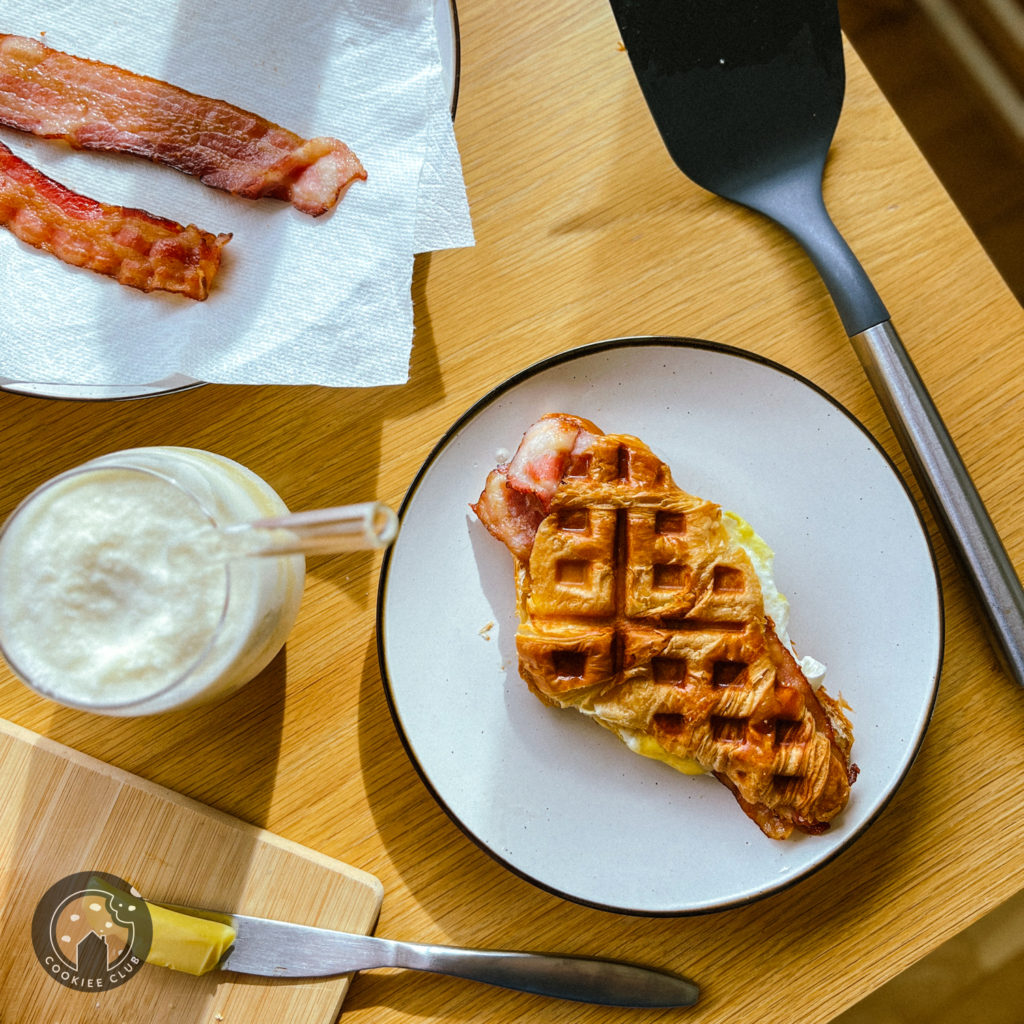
366	526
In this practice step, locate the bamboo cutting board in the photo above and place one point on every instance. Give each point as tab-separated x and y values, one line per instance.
62	812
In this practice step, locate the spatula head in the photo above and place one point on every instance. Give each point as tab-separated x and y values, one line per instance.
741	90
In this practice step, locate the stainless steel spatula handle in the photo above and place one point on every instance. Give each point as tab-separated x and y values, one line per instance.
794	200
954	500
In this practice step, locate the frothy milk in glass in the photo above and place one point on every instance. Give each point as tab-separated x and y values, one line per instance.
115	596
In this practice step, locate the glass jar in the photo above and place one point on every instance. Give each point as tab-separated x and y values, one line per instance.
115	596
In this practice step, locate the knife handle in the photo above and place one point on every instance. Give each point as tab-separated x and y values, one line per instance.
947	486
583	979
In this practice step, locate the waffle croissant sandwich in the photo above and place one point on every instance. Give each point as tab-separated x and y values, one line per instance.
641	607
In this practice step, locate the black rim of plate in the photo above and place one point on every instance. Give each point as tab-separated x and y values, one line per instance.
566	357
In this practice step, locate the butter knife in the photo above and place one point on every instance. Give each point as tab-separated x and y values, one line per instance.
280	949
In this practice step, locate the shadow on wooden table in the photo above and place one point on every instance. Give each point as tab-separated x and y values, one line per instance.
975	976
954	73
193	751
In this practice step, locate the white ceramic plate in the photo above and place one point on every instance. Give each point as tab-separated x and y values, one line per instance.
561	801
446	19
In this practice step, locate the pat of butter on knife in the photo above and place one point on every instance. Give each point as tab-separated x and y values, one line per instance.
179	941
193	945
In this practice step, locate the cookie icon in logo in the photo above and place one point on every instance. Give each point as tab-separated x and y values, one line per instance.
90	919
91	932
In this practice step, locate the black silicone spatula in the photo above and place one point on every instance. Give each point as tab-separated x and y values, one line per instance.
746	95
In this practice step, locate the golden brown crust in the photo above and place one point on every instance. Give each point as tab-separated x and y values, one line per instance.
637	608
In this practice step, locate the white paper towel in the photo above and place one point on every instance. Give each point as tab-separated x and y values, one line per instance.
297	300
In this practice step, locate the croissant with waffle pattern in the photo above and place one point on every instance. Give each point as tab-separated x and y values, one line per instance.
639	609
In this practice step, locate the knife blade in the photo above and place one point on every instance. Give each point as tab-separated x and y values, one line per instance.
281	949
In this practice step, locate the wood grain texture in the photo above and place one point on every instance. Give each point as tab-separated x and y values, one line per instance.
585	230
66	813
961	128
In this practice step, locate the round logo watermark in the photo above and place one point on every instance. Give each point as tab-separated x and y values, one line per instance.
91	932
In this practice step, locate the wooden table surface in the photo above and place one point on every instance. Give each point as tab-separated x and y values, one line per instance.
585	230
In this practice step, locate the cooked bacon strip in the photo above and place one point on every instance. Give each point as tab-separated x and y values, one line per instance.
132	246
517	495
98	106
